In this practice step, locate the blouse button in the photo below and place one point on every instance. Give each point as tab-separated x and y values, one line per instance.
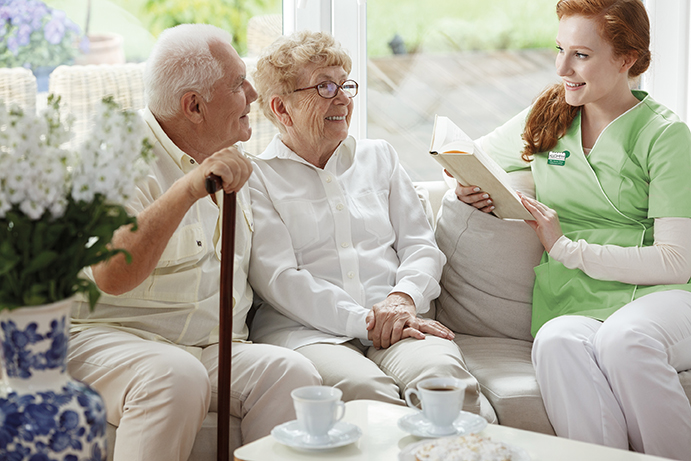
344	244
351	274
339	207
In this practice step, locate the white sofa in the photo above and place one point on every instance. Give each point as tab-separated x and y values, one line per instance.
486	299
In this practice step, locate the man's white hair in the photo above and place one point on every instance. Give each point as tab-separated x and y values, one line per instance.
180	62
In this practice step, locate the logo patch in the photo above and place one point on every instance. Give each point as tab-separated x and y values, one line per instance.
558	158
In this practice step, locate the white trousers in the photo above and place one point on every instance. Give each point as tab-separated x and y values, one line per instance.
615	382
384	374
158	394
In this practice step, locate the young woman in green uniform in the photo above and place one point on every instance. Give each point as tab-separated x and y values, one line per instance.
612	299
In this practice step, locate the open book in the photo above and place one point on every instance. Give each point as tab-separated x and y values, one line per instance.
466	162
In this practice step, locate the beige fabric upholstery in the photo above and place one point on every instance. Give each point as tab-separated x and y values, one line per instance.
18	86
487	283
503	368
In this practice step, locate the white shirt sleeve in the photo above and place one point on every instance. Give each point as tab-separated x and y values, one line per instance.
421	261
666	262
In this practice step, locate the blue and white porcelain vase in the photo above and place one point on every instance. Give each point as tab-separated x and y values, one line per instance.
45	415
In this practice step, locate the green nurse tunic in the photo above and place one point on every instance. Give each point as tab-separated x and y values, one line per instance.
639	169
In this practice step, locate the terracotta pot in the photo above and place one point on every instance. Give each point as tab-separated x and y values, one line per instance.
104	48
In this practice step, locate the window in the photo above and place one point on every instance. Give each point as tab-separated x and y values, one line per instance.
478	88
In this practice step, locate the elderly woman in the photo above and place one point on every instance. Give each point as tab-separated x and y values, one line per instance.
343	257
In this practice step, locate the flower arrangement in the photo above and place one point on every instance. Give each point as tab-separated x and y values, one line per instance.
59	208
34	35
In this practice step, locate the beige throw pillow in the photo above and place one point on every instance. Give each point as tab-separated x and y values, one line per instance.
487	282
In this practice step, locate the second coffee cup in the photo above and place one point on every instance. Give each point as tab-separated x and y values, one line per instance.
318	409
441	400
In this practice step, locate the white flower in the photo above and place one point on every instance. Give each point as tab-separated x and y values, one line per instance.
38	175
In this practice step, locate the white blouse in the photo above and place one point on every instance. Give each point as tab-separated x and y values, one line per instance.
330	243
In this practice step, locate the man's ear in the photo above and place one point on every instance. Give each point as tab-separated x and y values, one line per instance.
278	107
192	106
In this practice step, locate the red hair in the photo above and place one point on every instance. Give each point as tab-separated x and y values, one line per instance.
623	24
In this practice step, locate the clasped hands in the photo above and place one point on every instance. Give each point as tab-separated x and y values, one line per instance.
395	318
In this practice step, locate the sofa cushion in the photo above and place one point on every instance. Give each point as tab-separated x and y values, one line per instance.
487	282
505	372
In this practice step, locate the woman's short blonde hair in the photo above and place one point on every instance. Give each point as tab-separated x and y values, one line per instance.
281	62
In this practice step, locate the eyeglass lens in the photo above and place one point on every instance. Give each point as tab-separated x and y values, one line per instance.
330	89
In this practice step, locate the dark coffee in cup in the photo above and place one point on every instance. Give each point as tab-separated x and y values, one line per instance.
440	388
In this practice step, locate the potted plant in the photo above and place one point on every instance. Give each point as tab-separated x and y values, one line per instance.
37	37
103	47
58	212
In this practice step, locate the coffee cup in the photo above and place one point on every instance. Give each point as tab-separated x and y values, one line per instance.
441	400
318	409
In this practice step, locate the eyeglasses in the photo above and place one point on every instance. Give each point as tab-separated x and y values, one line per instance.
329	89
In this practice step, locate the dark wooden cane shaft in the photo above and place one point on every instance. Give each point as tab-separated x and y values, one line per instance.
226	326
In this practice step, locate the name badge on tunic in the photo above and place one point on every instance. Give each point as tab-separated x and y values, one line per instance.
558	158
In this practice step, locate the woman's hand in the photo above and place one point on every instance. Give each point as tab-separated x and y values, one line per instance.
473	195
546	223
394	319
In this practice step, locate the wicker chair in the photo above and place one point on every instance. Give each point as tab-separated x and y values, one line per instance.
18	86
82	88
262	30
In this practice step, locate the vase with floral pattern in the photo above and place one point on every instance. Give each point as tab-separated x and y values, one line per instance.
45	415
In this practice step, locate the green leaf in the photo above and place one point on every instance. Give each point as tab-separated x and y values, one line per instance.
40	261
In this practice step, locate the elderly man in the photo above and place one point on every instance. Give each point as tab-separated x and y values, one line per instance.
151	345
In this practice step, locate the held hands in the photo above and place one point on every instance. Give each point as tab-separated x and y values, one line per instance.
395	318
229	164
546	223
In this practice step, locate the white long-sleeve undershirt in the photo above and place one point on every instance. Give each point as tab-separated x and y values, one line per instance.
666	262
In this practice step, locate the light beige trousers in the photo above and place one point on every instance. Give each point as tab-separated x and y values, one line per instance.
158	394
384	374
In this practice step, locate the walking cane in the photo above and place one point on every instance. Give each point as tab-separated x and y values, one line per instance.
214	183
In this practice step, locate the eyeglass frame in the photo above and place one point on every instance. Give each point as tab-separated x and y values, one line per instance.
340	87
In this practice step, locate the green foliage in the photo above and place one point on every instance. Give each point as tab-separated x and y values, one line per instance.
460	25
231	15
40	260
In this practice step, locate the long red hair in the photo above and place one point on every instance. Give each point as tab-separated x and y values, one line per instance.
623	24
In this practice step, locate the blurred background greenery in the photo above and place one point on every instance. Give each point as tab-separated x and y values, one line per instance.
432	26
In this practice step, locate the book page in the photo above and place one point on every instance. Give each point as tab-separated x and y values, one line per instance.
446	132
470	166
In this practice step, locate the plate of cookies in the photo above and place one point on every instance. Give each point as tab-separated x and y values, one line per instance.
471	447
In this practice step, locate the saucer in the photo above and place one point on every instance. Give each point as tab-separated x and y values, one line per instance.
341	434
417	424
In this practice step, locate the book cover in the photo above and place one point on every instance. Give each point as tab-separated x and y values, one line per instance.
466	162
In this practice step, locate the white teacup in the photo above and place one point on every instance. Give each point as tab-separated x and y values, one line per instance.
318	409
441	400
